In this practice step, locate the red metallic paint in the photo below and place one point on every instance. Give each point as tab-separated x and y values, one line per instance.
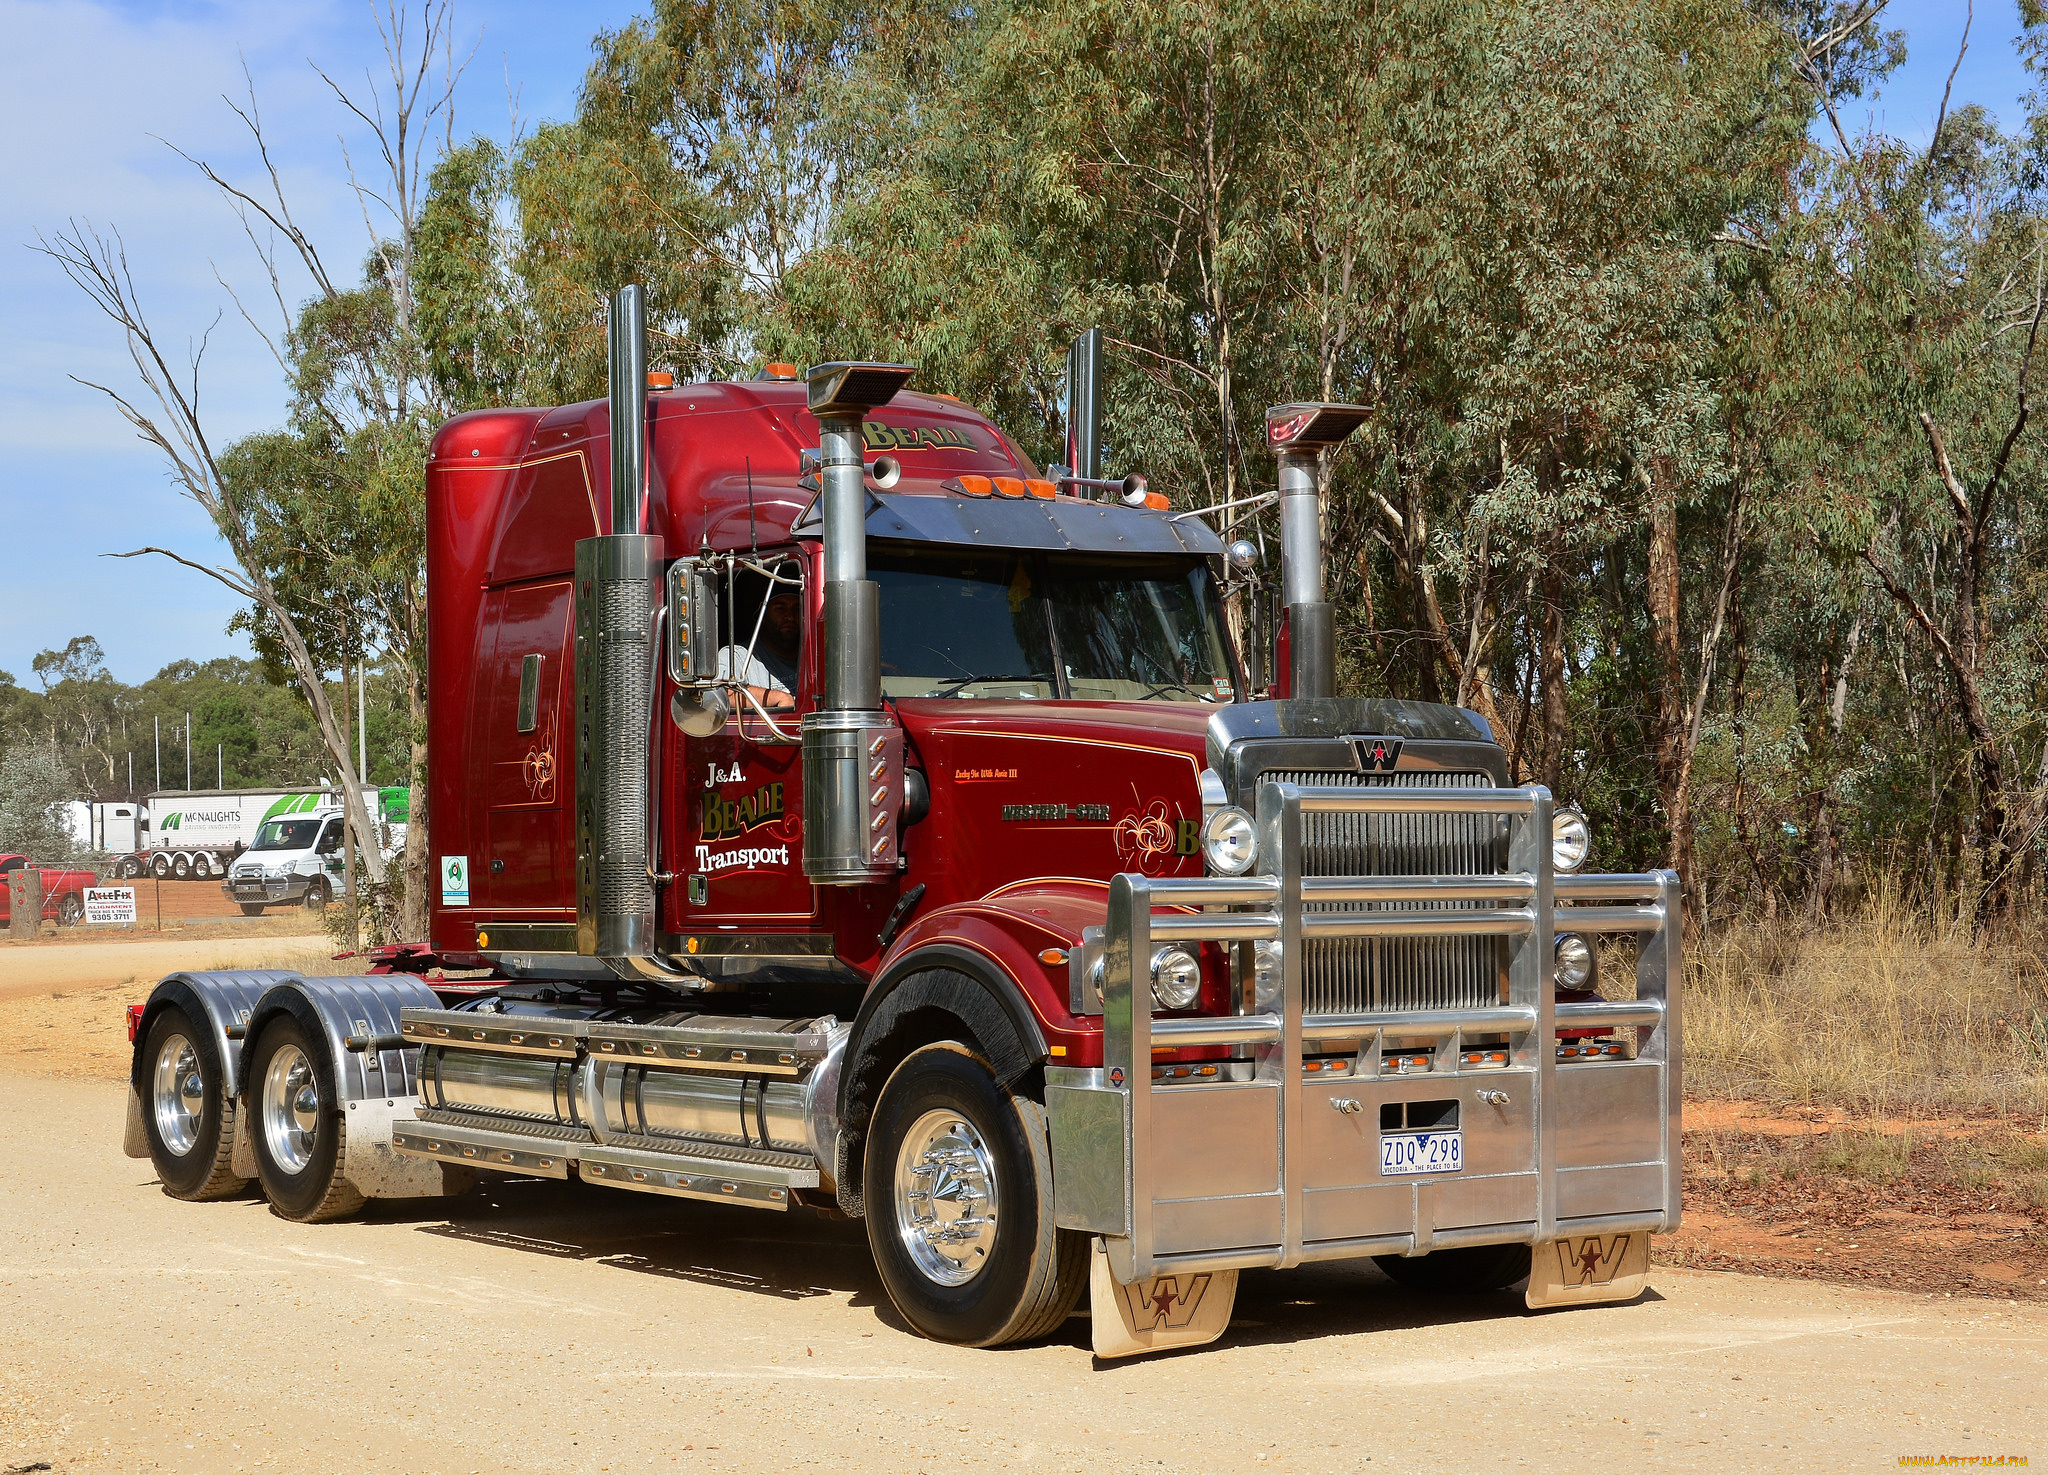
508	494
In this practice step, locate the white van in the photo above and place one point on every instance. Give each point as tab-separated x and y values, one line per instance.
295	859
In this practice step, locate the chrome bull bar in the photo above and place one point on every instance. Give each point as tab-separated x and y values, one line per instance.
1259	1172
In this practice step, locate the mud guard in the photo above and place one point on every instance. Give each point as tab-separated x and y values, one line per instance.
1156	1315
1586	1271
374	1088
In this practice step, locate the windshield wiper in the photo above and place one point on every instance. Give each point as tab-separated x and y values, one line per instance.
953	687
1196	693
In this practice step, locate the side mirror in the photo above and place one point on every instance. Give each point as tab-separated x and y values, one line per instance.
692	623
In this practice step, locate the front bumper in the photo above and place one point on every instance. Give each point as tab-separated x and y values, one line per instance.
266	889
1282	1165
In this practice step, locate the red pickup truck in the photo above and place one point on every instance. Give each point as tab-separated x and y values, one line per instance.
63	891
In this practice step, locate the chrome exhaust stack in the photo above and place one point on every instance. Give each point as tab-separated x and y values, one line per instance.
618	588
1298	435
1084	407
853	759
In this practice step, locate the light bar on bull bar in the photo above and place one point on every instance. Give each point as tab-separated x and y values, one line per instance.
855	389
1310	427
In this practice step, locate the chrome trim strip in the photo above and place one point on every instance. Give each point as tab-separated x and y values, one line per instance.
501	1152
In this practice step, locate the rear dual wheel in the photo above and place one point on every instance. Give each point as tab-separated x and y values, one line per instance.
300	1138
958	1180
188	1118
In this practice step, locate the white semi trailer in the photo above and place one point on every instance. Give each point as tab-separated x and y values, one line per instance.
195	834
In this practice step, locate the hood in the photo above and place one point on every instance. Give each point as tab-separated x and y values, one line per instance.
1037	791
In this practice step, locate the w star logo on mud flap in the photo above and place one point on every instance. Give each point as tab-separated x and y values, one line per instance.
1590	1261
1168	1302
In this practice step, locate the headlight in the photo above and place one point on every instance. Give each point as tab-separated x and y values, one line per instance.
1230	841
1176	977
284	869
1570	839
1574	956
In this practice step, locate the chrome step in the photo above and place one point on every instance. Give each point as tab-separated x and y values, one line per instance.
754	1184
502	1152
709	1042
684	1169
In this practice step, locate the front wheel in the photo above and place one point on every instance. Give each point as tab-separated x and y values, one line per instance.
251	908
187	1118
69	910
300	1138
316	896
1471	1271
958	1181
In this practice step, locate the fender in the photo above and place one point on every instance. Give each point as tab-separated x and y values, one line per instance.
217	1003
374	1088
970	985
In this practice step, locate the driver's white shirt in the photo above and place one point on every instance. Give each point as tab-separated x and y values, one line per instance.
750	672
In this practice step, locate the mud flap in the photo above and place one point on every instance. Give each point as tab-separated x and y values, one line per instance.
1156	1315
374	1166
1580	1272
134	1141
242	1156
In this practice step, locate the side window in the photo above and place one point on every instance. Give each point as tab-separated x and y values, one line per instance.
330	838
12	863
761	623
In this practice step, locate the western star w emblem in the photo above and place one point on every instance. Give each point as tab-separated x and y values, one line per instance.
1379	755
1168	1302
1593	1261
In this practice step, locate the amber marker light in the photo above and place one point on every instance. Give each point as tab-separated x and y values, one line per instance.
1052	957
973	486
660	379
1007	486
779	371
1042	489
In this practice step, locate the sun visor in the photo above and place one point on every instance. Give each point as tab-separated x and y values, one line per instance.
1057	524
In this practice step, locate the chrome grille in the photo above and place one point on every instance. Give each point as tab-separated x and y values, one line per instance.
1345	975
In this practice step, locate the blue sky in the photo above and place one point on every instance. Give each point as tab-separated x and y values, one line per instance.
85	86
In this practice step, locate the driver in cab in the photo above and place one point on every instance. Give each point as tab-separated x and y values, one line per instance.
769	672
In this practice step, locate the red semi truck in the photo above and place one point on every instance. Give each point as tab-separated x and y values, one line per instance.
850	817
63	890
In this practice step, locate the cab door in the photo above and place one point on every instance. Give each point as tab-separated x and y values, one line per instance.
736	813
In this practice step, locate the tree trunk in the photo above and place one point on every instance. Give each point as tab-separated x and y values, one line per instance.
1550	674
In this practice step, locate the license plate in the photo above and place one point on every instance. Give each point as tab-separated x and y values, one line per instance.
1421	1152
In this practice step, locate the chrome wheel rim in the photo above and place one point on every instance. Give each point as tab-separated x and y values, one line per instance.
177	1094
945	1193
291	1109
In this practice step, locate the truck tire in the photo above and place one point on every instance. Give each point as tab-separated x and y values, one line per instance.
316	895
300	1139
161	868
251	908
188	1120
181	868
127	868
1470	1271
202	867
949	1147
69	909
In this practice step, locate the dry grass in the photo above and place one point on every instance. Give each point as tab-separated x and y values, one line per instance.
1883	1014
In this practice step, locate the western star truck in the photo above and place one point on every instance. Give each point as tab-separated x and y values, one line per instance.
842	815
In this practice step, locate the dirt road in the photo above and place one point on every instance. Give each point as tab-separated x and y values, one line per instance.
43	967
535	1327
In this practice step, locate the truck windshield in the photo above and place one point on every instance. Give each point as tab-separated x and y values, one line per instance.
286	834
982	623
